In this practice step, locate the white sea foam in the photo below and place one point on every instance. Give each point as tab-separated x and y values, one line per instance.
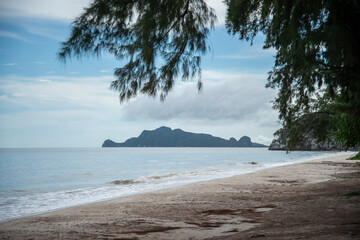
15	204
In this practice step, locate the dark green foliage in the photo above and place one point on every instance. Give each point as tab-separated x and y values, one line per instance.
354	193
323	122
317	64
347	129
160	40
317	44
356	157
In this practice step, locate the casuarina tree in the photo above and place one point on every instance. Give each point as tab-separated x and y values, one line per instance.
316	68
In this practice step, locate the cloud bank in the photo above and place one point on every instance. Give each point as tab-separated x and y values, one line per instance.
237	97
47	108
68	10
63	10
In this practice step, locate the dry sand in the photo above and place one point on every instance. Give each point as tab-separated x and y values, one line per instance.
301	201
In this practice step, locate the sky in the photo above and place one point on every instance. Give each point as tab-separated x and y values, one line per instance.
45	103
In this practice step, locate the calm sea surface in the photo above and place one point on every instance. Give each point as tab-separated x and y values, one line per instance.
34	181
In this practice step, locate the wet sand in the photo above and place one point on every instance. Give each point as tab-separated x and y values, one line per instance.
319	199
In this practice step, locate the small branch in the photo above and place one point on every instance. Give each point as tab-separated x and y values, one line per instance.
179	19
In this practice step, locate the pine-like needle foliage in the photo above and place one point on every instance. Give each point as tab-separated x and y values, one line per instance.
160	40
317	64
318	47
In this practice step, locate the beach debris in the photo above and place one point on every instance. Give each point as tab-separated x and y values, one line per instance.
257	235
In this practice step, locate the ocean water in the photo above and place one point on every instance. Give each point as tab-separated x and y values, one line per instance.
34	181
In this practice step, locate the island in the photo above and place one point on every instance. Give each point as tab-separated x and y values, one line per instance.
166	137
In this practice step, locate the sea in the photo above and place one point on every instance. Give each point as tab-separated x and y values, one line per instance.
35	181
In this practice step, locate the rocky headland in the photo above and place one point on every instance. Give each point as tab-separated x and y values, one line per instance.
309	143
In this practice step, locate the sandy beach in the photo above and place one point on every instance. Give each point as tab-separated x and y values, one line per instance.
319	199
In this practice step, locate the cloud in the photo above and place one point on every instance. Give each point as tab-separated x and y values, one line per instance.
9	64
56	92
234	97
57	111
220	9
68	10
239	57
42	29
82	111
263	139
63	10
256	52
11	35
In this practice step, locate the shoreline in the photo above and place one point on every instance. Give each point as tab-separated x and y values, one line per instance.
218	208
194	181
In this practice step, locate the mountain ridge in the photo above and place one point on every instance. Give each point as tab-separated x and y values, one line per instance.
166	137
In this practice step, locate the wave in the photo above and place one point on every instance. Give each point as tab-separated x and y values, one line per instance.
163	176
124	182
13	191
144	179
207	173
216	172
19	204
